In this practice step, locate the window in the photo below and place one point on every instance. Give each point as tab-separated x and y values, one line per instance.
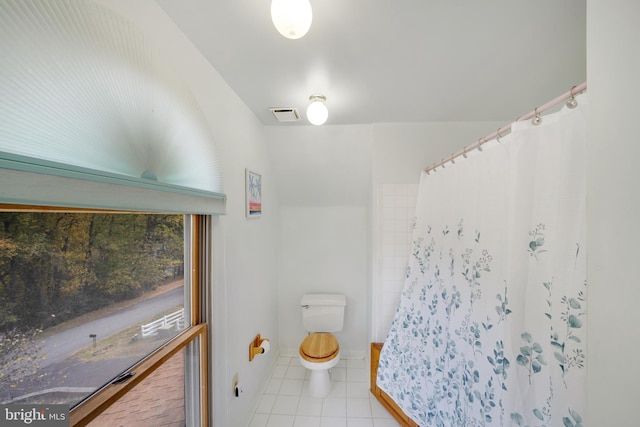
96	309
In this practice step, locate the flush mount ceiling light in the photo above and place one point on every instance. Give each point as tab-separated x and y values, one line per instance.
317	112
292	18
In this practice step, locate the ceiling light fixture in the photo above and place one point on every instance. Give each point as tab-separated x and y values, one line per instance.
317	112
292	18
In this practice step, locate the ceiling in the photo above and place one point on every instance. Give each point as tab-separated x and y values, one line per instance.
382	61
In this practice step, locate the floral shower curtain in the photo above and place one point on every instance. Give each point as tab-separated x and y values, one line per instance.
490	328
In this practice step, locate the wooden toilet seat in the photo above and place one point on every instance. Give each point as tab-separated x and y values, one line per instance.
319	347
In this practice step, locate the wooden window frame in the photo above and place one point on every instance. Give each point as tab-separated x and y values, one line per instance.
83	413
91	408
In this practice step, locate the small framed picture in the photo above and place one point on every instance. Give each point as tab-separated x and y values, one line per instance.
253	194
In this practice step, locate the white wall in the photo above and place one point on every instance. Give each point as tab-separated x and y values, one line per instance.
324	250
613	202
323	179
328	180
244	294
321	166
402	150
394	213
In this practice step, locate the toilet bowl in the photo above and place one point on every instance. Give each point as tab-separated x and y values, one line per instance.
322	315
319	352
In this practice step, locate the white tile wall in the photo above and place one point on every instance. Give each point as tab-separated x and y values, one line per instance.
395	211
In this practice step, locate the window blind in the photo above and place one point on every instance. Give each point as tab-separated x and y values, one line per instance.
30	181
89	106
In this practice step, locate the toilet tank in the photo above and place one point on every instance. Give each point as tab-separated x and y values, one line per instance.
323	312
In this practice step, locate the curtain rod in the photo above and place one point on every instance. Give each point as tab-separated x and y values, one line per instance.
535	114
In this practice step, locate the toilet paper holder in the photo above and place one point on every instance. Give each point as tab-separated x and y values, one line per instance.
259	345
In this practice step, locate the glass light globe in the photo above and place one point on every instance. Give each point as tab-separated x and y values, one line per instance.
292	18
317	112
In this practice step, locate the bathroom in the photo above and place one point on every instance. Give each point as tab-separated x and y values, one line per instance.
323	217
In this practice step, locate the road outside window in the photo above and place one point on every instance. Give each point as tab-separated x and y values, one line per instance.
83	297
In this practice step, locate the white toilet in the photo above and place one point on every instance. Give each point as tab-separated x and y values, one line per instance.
322	314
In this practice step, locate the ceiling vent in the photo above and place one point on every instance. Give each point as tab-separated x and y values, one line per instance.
286	114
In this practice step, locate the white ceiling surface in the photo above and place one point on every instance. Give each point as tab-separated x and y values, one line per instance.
380	61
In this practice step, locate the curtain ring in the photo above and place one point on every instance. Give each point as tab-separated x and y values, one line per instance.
571	102
442	163
536	119
498	135
464	152
452	158
480	144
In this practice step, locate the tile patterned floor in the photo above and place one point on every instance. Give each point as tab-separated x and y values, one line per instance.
286	402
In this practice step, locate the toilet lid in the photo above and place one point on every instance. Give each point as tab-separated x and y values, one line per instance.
319	347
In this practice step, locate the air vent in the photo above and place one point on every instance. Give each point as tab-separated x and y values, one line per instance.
286	114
